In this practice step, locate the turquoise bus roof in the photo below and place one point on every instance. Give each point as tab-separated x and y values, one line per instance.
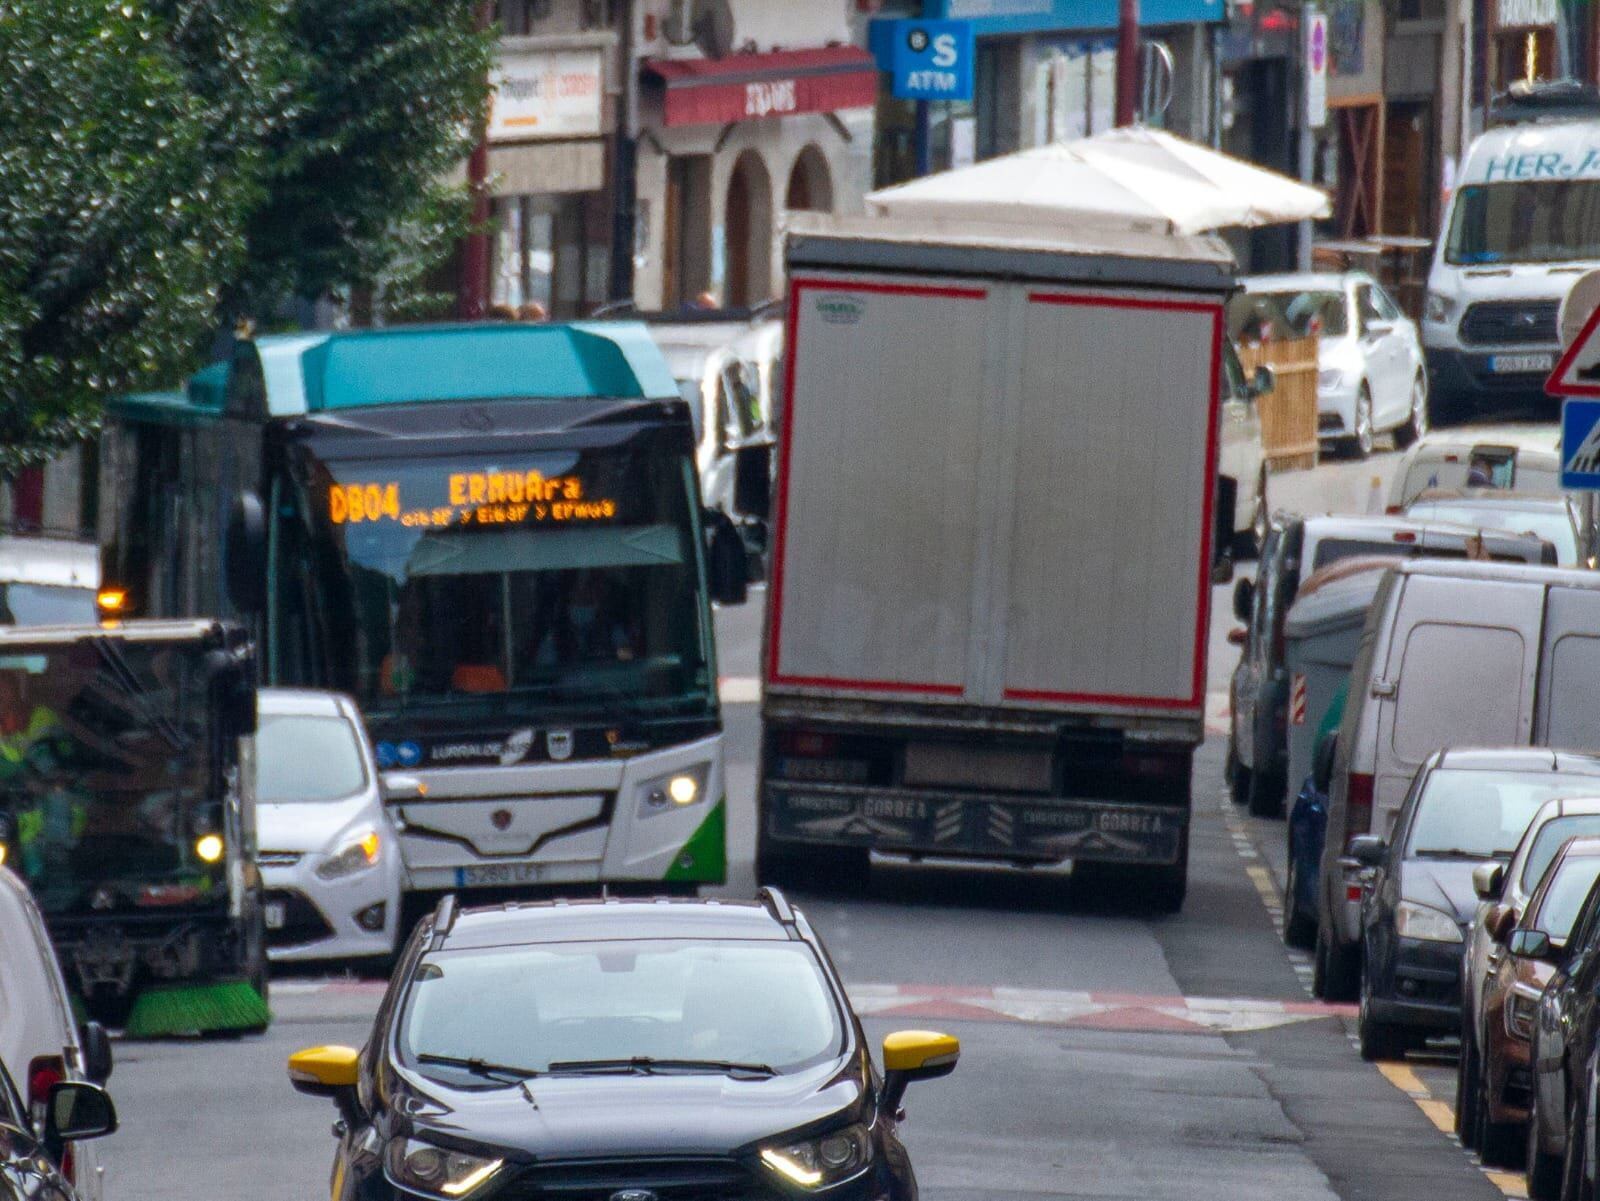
310	373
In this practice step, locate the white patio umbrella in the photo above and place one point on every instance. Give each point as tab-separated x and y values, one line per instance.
1125	178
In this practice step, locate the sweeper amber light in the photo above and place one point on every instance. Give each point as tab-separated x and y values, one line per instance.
208	847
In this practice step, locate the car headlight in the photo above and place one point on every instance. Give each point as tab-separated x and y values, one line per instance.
1522	1010
822	1161
355	856
1330	379
677	790
1419	921
1437	307
436	1171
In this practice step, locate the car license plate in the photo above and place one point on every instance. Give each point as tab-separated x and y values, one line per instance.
498	873
1520	364
273	914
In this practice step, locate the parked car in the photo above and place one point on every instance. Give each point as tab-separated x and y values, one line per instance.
695	1048
1371	376
1465	808
1454	654
330	857
1562	1156
1499	1074
1295	548
41	1044
1526	460
1556	519
1504	892
35	1160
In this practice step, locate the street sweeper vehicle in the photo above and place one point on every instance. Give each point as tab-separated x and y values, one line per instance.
125	803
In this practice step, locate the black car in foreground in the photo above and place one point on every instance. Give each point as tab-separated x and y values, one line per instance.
33	1160
1464	809
633	1050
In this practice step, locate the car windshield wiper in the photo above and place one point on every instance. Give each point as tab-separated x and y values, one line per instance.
647	1064
481	1067
1454	853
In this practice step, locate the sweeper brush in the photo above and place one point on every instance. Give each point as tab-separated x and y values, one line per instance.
197	1009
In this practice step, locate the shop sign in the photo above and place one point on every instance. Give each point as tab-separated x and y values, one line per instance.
546	94
931	60
1517	14
1316	70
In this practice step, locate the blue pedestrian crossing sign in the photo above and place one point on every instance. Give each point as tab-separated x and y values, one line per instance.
931	60
1580	444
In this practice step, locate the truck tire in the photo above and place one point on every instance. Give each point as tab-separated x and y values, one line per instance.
1267	791
1169	883
1336	972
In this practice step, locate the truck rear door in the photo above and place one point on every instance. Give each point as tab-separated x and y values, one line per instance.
1568	714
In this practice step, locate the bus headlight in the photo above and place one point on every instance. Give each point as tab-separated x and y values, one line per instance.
678	790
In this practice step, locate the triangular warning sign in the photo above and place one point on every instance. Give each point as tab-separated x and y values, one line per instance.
1578	371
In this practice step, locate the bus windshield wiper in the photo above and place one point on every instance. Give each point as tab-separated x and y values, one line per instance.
481	1067
648	1065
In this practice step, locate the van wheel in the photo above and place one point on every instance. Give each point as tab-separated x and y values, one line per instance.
1238	777
1266	794
1336	971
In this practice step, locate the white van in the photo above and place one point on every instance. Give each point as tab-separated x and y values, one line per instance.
1453	654
1522	226
39	1040
1510	458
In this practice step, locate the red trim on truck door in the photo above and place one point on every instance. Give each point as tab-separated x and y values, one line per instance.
1197	695
775	592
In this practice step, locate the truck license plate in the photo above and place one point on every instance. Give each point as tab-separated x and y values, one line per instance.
273	914
498	873
1521	364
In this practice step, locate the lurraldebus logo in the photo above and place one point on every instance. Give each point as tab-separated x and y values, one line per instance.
840	310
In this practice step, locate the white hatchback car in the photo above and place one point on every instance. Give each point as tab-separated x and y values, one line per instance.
329	855
40	1042
1371	375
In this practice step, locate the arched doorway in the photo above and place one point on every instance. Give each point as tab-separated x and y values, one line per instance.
748	229
810	184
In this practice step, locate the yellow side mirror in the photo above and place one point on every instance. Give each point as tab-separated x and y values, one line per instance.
322	1071
915	1055
919	1051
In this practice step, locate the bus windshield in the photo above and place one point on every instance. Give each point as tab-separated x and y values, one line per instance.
1546	222
525	583
105	768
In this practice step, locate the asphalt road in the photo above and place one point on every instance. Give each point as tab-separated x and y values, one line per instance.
1105	1054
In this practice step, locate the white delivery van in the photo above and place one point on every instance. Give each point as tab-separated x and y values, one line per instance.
996	512
1453	654
1522	225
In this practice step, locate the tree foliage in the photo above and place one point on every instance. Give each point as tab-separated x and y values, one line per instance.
169	165
389	98
120	216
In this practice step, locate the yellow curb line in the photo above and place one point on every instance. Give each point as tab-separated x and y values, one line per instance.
1262	879
1444	1119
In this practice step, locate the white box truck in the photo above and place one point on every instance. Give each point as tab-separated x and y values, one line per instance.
987	622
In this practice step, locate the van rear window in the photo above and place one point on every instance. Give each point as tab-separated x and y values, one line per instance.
1460	685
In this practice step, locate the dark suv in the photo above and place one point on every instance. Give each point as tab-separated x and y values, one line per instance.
653	1050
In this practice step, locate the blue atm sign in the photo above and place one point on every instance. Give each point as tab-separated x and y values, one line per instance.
932	60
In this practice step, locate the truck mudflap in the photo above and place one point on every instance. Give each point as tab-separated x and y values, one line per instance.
963	825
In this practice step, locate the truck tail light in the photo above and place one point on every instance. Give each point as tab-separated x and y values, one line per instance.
43	1075
1148	765
1358	806
808	744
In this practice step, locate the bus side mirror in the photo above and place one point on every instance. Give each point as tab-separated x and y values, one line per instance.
727	565
234	680
245	555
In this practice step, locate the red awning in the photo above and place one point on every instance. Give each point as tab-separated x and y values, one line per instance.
745	87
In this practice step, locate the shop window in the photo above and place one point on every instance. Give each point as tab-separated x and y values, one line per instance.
551	256
810	186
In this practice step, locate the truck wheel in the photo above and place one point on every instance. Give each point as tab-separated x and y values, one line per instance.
1267	794
1169	883
1299	927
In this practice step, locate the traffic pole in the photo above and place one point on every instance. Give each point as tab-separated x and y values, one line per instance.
472	293
1128	62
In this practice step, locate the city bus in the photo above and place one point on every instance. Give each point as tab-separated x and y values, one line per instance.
492	537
